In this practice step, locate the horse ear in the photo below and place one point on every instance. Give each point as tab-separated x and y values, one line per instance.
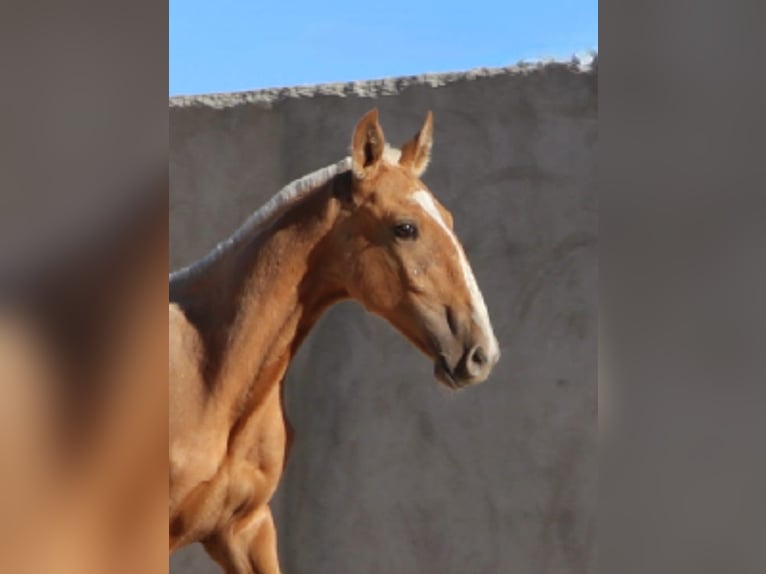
367	145
416	153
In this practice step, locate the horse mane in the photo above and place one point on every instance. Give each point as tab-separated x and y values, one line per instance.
269	212
275	207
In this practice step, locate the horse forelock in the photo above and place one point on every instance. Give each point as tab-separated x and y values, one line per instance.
391	154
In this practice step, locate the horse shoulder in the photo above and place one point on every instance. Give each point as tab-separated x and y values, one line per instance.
194	455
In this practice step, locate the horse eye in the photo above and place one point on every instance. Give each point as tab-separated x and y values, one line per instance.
406	231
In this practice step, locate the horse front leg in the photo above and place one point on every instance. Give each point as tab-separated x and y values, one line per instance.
248	548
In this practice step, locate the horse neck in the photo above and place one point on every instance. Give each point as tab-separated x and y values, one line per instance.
256	303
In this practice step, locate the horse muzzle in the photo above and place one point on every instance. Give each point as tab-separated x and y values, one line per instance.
473	366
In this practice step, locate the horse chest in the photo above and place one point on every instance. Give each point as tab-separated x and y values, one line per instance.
246	478
260	448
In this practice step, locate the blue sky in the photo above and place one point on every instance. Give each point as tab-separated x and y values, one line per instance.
234	45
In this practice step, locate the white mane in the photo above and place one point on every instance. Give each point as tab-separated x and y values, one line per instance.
278	204
272	209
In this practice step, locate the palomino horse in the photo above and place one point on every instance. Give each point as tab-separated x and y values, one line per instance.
366	228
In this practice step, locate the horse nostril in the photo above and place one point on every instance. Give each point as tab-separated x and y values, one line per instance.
451	320
475	362
478	356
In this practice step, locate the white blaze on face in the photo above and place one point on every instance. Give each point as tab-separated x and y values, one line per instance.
479	308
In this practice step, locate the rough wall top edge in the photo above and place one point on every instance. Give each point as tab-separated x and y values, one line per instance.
380	87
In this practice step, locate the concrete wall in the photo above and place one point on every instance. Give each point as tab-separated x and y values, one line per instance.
392	473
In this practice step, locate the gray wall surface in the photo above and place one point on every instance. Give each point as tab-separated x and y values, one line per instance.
392	473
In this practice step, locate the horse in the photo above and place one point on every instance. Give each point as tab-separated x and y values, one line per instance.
366	228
